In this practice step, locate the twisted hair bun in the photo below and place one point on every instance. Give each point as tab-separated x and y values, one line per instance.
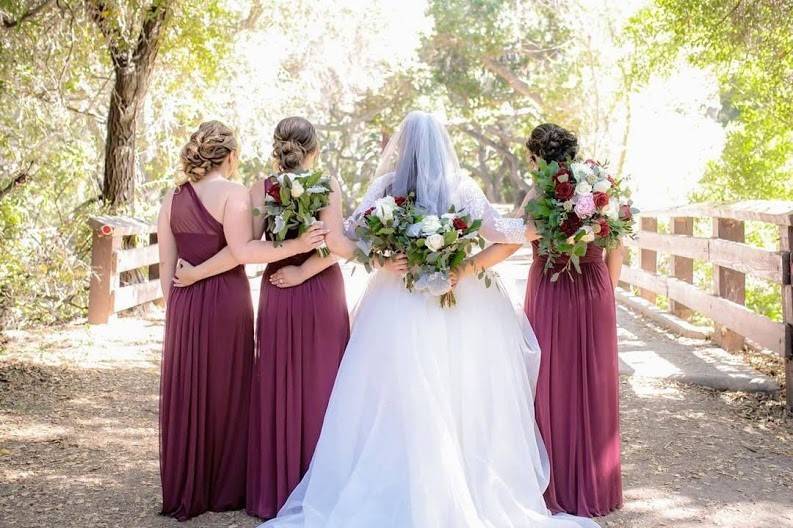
552	143
208	148
294	139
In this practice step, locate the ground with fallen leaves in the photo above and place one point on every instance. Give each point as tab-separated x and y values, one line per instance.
78	441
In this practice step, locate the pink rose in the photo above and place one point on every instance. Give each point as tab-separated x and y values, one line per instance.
585	207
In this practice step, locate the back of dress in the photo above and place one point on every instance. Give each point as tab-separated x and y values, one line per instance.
198	234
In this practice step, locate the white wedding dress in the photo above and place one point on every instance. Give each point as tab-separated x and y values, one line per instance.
431	421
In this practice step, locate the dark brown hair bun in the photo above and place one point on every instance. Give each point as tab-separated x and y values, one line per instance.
552	143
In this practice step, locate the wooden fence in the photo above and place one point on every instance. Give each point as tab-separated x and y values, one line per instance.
732	260
725	249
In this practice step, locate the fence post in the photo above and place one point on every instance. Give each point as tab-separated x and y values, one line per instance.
682	267
648	259
154	269
729	284
104	278
786	247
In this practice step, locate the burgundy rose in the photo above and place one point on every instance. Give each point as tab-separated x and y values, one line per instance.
625	212
368	211
571	224
459	224
273	189
564	191
605	228
400	200
601	199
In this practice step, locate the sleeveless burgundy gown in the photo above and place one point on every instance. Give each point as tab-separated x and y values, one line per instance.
301	334
206	374
577	400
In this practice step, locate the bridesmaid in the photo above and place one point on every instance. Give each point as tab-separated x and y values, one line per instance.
577	400
301	333
208	345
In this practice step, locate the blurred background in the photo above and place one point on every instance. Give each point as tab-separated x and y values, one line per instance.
691	99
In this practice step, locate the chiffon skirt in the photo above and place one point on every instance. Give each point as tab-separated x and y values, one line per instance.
204	395
577	402
431	422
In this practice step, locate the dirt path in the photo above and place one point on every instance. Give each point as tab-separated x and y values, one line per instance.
78	442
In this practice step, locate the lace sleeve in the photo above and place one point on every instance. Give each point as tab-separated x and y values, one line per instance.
495	228
376	190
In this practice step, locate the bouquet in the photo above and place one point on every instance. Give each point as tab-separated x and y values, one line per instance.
578	203
434	245
292	202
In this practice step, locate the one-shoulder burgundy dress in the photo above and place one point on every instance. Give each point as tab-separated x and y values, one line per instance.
206	374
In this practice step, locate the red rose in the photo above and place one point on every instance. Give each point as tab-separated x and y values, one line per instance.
564	191
625	212
605	228
601	199
368	211
459	224
571	224
273	189
400	200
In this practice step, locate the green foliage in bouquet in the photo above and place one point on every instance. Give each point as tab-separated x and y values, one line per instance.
292	203
576	204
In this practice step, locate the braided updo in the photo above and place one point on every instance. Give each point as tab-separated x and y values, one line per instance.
208	148
295	138
552	143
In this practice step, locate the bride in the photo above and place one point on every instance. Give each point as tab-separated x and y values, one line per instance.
431	420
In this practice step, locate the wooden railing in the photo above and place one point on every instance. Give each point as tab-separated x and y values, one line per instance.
732	260
109	260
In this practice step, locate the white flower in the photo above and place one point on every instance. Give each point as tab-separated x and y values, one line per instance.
583	188
589	234
613	209
384	208
568	205
571	239
602	186
316	189
435	242
297	189
562	178
436	283
279	223
430	224
581	171
449	216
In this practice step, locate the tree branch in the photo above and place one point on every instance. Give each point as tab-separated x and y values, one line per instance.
517	84
18	179
9	22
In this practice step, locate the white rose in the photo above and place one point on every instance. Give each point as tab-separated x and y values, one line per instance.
435	242
430	224
581	171
602	186
297	189
568	205
384	208
583	188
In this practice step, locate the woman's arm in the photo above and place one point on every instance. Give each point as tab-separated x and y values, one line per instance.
257	197
485	259
238	228
166	244
290	276
333	219
614	259
187	274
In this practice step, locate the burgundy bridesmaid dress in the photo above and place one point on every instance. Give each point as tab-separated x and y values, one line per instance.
206	374
577	400
301	334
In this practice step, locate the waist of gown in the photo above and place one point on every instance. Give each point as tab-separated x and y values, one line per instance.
593	255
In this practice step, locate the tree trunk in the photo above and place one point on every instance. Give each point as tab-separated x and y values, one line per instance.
118	189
